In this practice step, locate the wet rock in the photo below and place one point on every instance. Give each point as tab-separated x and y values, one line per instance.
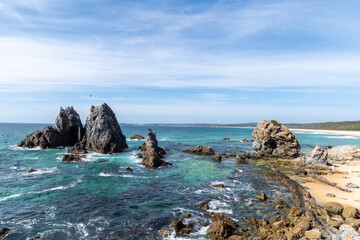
261	196
231	155
137	137
240	159
295	212
333	208
318	157
139	155
3	232
242	197
221	185
36	237
226	139
128	169
67	131
200	150
204	205
72	157
246	140
352	185
78	148
313	234
185	215
153	154
237	237
102	132
330	195
31	170
222	227
301	172
217	158
275	140
177	225
350	212
344	153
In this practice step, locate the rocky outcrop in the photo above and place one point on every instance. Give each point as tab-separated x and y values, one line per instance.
217	158
72	157
102	132
67	131
317	158
222	227
200	150
344	153
275	140
153	154
137	137
245	157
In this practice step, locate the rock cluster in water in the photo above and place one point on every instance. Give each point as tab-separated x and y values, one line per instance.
275	140
200	150
102	133
153	154
67	131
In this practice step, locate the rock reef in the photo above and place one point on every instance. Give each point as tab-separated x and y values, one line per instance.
153	154
200	150
67	131
275	140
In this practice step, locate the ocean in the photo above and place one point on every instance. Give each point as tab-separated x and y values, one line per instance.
98	199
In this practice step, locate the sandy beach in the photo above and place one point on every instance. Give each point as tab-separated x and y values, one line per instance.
337	132
349	172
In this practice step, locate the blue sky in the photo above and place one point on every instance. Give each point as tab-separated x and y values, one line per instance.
181	61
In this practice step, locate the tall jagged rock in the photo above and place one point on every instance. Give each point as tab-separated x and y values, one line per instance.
67	131
153	153
275	140
102	132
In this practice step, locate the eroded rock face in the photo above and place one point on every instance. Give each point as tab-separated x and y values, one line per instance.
275	141
67	131
102	132
318	157
153	154
344	153
200	150
222	227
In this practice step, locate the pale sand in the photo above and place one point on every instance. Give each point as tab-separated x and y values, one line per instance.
351	173
337	132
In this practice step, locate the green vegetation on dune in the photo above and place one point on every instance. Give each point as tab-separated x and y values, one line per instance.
345	126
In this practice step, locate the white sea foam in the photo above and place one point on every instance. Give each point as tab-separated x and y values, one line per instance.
8	197
16	148
102	174
71	185
219	207
343	137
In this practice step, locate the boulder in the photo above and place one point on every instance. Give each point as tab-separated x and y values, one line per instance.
275	140
261	196
245	157
137	137
333	208
200	150
313	234
350	212
344	153
102	132
222	227
318	157
32	170
217	158
153	154
72	157
67	131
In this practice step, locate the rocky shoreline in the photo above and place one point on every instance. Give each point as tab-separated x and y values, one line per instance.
274	145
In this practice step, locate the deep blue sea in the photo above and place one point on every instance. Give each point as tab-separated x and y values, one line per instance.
97	199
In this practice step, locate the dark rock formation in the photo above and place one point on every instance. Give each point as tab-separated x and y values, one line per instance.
217	158
3	232
200	150
222	227
67	131
137	137
204	205
317	158
31	170
128	169
102	132
245	157
275	141
246	140
72	157
153	154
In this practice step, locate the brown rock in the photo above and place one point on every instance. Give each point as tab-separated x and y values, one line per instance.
153	153
333	208
222	227
237	237
184	215
261	196
137	137
353	222
217	158
128	169
350	212
200	150
72	157
204	205
139	155
313	234
221	185
295	212
336	221
31	170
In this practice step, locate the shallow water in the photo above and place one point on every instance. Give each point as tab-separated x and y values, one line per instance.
97	199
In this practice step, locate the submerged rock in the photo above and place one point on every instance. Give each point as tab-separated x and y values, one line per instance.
275	140
245	157
72	157
153	154
67	131
102	132
217	158
31	170
3	232
200	150
137	137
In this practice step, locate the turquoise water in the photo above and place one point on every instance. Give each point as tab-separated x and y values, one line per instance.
97	199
